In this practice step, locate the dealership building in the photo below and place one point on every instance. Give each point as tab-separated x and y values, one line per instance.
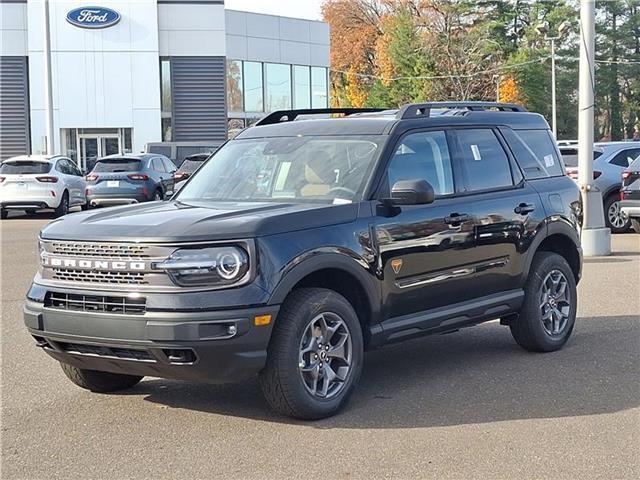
126	73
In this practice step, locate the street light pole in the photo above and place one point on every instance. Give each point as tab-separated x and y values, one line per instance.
48	95
595	238
554	121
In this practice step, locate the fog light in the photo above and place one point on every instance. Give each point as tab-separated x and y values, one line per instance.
232	330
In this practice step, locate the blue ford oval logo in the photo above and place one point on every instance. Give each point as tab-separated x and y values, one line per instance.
93	17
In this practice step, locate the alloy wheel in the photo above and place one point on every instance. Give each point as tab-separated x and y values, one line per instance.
325	355
555	303
616	217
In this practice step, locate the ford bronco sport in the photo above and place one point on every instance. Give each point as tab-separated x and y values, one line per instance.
305	241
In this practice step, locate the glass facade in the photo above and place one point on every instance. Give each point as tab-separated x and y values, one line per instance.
301	87
319	94
253	86
256	88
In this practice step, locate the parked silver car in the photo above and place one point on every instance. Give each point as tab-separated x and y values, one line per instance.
610	160
35	182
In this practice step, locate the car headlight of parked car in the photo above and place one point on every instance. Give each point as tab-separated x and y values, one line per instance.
213	266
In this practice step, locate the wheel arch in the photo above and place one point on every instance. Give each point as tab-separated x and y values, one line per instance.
563	240
340	273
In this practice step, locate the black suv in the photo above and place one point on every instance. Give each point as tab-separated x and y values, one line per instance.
305	241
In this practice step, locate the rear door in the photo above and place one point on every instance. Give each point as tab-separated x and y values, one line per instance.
506	210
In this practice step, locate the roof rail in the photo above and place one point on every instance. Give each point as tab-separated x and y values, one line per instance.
290	115
414	110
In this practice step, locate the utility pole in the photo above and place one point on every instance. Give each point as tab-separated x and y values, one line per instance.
595	238
48	96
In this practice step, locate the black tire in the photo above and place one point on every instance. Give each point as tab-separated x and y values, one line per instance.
610	204
282	381
635	224
528	329
85	206
3	214
158	196
99	382
63	208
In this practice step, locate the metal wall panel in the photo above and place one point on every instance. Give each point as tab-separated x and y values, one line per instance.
14	107
198	93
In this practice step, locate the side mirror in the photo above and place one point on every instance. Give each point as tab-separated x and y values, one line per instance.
412	192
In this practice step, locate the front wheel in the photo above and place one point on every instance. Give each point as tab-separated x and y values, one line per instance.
635	224
548	314
315	355
617	221
100	382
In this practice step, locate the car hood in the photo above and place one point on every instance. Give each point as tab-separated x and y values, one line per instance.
174	221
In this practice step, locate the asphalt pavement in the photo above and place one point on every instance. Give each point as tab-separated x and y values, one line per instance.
465	405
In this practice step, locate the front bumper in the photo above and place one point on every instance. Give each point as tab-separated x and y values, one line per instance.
214	346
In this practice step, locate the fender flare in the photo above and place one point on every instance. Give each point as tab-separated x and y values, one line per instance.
556	227
314	261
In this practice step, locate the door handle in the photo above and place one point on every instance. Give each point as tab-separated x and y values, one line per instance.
524	208
456	219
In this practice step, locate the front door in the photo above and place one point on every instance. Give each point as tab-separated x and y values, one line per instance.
426	251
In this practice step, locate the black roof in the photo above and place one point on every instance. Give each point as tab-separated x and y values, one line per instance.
287	123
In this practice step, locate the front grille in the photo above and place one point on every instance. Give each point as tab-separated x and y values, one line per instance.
95	303
107	352
100	276
112	250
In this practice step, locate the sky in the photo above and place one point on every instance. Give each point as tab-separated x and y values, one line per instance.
309	9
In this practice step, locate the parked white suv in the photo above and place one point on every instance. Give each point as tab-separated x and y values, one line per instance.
35	182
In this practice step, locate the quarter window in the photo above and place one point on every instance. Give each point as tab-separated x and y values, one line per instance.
157	164
485	163
543	148
423	156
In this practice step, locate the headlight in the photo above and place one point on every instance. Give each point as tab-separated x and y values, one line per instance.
215	266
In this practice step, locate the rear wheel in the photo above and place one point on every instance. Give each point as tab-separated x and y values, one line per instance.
315	355
548	314
157	196
63	208
617	221
100	382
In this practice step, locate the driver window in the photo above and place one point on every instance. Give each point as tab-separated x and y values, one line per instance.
423	156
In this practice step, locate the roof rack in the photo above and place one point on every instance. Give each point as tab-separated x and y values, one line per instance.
414	110
290	115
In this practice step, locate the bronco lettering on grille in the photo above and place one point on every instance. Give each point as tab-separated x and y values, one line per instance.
120	265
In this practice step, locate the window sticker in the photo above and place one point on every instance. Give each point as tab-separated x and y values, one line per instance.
476	152
548	161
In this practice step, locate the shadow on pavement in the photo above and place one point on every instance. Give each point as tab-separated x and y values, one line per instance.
476	376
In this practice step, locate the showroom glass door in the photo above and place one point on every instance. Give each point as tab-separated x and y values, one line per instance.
93	147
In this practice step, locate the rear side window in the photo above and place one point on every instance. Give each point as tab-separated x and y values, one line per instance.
24	168
485	162
169	165
543	159
117	165
423	156
625	157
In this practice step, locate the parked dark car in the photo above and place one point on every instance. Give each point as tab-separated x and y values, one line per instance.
188	167
127	179
630	193
301	243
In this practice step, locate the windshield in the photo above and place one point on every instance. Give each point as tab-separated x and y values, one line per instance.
24	168
190	166
570	156
293	169
117	165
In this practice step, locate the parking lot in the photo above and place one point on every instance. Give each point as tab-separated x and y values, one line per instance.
466	405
